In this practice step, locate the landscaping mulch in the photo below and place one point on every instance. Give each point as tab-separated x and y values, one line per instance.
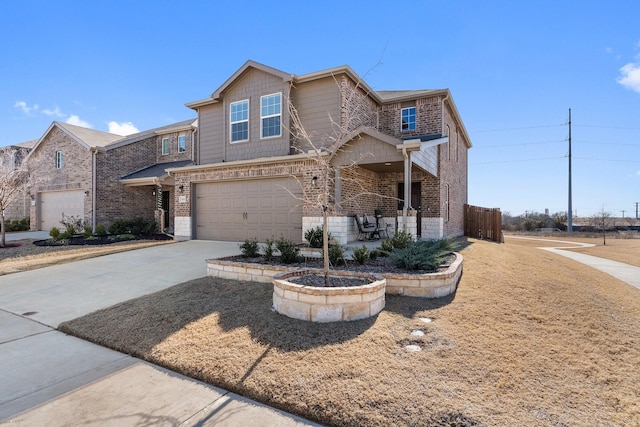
529	338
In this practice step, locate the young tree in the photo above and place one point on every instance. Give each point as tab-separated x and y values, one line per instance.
323	149
15	178
602	221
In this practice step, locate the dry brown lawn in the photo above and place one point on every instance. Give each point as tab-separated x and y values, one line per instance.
530	338
23	255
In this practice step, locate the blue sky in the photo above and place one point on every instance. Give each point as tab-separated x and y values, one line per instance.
514	69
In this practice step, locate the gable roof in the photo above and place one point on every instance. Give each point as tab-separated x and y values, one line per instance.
174	127
87	138
217	94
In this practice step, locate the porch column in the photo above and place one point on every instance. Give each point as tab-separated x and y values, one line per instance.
407	188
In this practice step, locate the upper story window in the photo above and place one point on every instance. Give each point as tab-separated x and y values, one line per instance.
408	119
239	118
270	114
58	159
165	146
182	143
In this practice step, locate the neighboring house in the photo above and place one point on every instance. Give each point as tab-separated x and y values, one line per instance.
409	149
103	177
20	206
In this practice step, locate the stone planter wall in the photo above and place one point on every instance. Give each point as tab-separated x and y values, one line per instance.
432	285
335	304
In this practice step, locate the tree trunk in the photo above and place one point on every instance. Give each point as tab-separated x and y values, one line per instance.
325	246
3	241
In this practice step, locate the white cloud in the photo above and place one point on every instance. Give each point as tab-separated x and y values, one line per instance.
630	76
25	107
124	128
55	112
75	120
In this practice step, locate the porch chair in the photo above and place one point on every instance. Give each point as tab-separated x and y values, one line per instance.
366	231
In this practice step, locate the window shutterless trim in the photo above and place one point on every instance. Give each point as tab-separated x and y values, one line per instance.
182	143
165	153
241	122
410	123
58	159
268	117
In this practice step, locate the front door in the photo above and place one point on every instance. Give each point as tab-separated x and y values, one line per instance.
416	201
165	206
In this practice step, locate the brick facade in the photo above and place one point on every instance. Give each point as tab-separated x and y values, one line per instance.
75	173
337	102
113	200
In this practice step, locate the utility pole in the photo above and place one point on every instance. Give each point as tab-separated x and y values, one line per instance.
570	210
623	211
637	203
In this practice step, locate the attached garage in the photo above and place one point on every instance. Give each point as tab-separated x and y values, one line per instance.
53	204
239	210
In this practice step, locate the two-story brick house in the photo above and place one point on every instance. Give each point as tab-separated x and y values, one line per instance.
103	177
402	152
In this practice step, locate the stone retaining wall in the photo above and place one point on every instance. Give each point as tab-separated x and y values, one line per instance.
431	285
331	304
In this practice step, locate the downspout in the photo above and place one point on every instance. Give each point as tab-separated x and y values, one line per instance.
93	190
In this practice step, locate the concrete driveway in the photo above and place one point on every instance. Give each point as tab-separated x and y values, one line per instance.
49	378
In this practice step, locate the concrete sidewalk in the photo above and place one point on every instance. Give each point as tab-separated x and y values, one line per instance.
625	272
49	378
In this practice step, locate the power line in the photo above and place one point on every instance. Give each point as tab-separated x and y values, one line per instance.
519	144
519	128
519	161
606	127
608	160
608	143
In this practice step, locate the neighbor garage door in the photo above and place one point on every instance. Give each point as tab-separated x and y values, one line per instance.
54	204
239	210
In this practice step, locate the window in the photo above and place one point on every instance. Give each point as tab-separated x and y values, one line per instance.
165	146
408	119
239	117
182	143
58	159
270	112
446	203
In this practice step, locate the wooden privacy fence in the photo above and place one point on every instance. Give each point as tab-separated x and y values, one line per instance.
483	223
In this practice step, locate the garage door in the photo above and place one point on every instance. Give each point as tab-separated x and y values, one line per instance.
54	204
239	210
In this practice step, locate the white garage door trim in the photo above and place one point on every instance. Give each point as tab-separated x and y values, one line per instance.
54	203
247	209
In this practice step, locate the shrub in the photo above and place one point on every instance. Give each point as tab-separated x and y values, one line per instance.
314	237
336	255
68	232
386	247
136	226
289	252
267	250
249	248
361	254
72	224
422	255
88	232
401	239
374	254
54	233
101	230
17	225
126	236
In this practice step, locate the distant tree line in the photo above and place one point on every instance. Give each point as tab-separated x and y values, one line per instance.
532	221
